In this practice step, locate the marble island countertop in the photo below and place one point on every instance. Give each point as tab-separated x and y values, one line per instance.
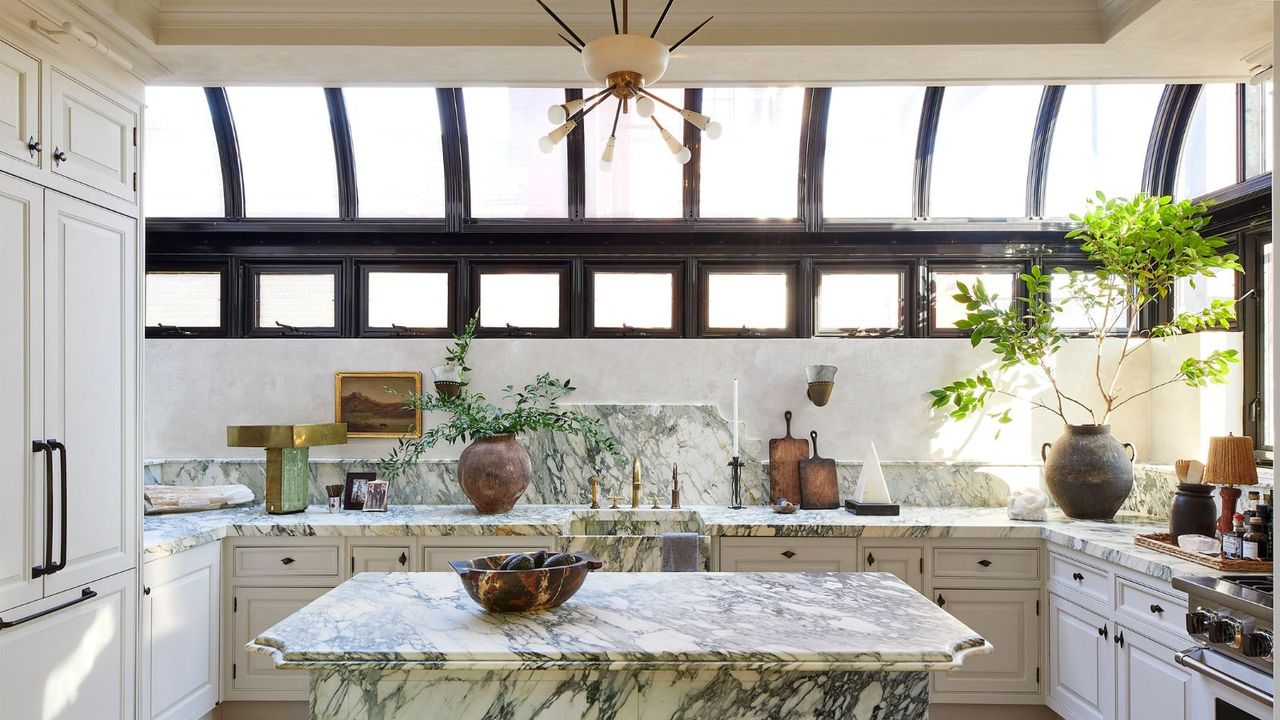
620	621
1112	541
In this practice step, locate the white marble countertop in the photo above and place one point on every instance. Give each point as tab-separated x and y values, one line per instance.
1112	541
651	621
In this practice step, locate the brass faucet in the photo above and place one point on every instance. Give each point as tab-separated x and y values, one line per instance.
635	483
675	486
595	493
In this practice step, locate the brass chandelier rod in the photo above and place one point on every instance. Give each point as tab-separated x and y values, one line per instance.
639	90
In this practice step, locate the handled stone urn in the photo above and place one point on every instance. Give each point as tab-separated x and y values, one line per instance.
494	472
1088	472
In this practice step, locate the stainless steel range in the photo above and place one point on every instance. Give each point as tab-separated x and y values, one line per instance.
1231	619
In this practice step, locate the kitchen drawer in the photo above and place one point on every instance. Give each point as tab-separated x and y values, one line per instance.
1087	580
286	561
991	563
1163	610
788	555
435	558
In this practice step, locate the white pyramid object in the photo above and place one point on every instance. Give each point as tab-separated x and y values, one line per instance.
871	487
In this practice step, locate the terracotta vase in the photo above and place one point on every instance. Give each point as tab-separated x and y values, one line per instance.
1088	472
494	472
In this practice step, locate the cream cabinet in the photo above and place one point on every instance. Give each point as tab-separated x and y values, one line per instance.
75	662
1010	621
181	635
774	554
94	139
20	135
381	558
1149	686
906	563
438	551
1081	662
253	674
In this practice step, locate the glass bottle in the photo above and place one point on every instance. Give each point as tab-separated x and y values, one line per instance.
1255	541
1232	542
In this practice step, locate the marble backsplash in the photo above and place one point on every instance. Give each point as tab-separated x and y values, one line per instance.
696	438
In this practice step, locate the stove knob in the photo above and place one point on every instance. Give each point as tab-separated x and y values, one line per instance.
1198	622
1222	631
1255	644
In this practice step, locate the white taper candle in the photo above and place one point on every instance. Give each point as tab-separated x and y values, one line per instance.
735	417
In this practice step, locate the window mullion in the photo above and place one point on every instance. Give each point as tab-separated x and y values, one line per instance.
1041	144
224	131
348	197
930	109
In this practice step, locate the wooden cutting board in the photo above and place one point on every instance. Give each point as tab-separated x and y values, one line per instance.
819	489
785	454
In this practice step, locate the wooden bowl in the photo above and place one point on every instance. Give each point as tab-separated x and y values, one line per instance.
521	590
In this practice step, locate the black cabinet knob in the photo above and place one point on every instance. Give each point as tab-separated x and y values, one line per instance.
404	559
871	559
1077	576
788	554
1103	631
941	600
287	561
146	590
1120	638
1156	609
59	154
34	146
984	563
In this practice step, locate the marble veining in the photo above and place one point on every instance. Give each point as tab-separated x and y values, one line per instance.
1113	541
764	622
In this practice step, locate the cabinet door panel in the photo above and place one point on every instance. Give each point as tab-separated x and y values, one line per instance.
181	634
1080	660
22	473
75	663
97	136
380	558
1149	684
1007	619
905	563
19	103
255	610
90	383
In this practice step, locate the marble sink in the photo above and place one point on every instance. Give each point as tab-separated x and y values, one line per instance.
628	540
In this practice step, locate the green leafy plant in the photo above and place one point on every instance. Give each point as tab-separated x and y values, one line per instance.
1142	248
471	416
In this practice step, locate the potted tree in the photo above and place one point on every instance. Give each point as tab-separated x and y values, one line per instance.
1141	248
494	469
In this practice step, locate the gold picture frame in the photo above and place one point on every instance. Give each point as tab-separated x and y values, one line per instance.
360	400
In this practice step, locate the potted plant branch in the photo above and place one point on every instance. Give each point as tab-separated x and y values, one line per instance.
495	468
1141	248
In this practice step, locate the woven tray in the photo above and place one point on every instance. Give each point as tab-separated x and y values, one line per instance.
1164	543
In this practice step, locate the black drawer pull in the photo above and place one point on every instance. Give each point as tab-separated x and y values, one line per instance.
1077	576
146	590
404	559
287	561
941	600
85	594
984	563
1157	609
1120	638
788	554
871	559
1103	631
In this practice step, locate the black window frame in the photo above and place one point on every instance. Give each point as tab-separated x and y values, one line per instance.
677	270
706	268
930	267
341	297
906	295
365	267
567	273
226	283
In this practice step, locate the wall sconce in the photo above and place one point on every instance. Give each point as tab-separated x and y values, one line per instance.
822	379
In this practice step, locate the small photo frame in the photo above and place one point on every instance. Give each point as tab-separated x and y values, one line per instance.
362	401
355	491
375	499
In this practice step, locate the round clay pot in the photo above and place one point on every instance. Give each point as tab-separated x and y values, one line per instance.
1194	512
1088	472
494	472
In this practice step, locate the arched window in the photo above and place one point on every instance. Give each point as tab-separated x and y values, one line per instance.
644	181
751	170
981	151
510	177
286	151
395	138
1209	159
869	168
183	173
1099	143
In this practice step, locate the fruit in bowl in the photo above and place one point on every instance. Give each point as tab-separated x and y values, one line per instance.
524	582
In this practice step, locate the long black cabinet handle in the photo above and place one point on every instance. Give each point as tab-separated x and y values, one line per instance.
40	446
86	594
62	457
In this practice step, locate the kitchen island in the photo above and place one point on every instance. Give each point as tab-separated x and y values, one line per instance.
629	645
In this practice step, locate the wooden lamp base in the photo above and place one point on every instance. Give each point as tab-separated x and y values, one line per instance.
1229	494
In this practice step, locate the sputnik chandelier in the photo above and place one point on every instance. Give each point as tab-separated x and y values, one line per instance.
626	65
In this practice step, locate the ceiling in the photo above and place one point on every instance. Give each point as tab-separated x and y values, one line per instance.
794	42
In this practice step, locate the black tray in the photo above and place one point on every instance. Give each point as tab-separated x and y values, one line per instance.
858	508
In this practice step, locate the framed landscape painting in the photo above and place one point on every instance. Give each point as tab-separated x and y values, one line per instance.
362	402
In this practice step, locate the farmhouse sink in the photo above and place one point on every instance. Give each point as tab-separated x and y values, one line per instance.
630	540
631	523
